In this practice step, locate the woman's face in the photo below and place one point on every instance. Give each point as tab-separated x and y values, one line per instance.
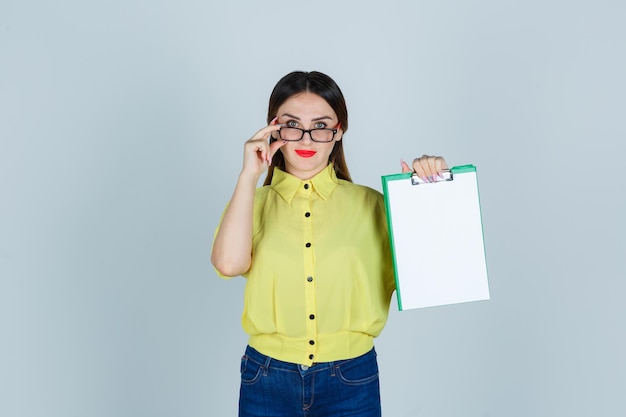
306	158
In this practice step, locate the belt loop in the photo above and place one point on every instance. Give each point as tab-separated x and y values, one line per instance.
266	365
332	368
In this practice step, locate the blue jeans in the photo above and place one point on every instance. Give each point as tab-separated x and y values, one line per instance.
272	388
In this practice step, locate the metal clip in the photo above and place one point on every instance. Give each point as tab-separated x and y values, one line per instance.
446	174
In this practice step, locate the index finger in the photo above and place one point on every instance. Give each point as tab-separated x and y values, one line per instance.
266	131
420	166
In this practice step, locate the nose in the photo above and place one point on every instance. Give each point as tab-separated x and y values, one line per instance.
306	137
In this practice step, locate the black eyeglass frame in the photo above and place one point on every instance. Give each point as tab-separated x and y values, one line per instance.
309	132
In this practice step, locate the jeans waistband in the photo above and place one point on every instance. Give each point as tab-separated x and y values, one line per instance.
269	362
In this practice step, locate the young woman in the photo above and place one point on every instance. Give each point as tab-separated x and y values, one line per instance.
315	251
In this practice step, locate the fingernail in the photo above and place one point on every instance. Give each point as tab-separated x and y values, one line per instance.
431	179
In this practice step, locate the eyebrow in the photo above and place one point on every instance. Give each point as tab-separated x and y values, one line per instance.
317	119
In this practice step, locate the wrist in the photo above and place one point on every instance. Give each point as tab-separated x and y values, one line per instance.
249	177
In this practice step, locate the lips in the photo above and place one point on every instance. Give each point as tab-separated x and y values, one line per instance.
305	154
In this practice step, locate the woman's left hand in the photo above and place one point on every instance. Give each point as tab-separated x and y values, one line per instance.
427	167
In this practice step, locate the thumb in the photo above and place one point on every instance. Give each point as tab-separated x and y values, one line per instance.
405	167
274	147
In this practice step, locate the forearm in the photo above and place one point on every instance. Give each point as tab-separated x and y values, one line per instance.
232	247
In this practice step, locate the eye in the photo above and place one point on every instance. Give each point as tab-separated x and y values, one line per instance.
319	125
292	123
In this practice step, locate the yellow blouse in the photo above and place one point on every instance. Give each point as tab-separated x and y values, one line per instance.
321	278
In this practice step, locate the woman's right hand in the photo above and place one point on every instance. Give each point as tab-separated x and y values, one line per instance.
258	152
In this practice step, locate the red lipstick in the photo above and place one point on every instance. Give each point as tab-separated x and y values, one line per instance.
304	153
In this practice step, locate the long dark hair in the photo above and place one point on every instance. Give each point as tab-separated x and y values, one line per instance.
317	83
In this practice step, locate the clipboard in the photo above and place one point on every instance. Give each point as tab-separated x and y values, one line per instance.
436	236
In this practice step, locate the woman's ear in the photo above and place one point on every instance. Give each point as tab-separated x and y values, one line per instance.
339	134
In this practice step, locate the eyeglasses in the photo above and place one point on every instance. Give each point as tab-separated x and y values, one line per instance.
294	134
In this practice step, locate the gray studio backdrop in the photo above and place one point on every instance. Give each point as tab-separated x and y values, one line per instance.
121	132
